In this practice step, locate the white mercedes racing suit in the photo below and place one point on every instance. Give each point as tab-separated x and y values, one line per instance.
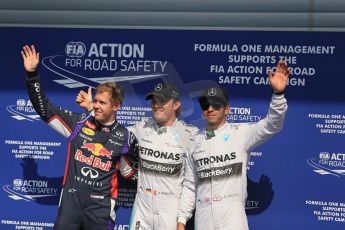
162	152
216	175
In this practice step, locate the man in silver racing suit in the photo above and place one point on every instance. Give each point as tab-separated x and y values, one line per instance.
163	143
216	170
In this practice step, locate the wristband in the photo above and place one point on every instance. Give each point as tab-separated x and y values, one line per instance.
277	93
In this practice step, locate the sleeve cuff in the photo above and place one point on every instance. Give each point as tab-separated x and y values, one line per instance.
278	96
32	75
277	93
181	220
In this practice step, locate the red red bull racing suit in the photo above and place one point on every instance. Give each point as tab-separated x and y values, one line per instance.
216	171
95	152
162	152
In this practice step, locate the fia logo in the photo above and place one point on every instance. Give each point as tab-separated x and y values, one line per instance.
328	164
23	110
75	49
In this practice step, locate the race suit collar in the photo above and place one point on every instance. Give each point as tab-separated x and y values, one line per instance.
106	128
212	133
164	129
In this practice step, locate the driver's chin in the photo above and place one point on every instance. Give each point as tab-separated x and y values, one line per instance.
159	118
212	120
99	117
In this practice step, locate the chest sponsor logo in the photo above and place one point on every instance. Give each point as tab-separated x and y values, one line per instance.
220	172
171	169
89	172
88	131
97	149
159	154
93	161
215	159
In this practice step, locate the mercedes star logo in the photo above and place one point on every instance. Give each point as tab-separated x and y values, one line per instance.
158	87
212	92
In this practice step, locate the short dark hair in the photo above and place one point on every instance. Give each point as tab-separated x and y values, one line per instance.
115	90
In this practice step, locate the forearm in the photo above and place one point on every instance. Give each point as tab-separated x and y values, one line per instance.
57	118
188	193
37	96
131	158
186	203
271	124
276	113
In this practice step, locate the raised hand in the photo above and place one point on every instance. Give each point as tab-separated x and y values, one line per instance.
85	99
30	57
280	78
180	226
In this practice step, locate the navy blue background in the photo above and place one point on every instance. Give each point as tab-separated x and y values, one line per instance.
284	158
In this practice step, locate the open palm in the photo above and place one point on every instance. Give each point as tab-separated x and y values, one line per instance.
30	58
280	78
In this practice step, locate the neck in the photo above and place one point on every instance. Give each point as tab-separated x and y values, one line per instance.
215	126
170	122
110	122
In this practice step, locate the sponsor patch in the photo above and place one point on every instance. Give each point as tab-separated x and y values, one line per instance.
88	131
137	225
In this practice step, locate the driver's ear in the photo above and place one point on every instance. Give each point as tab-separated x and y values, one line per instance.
177	104
227	109
116	106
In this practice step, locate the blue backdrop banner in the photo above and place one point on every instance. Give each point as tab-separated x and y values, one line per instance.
295	181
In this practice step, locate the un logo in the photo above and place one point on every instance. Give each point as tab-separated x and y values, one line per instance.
75	49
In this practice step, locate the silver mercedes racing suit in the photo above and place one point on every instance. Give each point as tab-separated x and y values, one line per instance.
216	176
162	152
